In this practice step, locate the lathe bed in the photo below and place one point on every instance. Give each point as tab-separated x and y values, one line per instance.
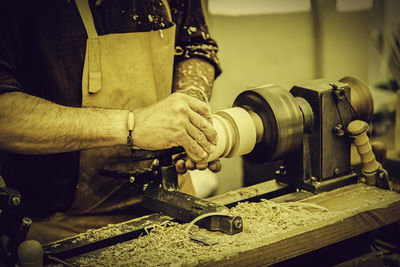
358	209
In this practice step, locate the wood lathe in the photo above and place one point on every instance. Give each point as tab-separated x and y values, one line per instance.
310	128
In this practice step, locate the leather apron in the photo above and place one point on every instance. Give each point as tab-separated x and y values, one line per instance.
121	71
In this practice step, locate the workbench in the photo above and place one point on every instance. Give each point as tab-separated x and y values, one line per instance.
361	209
357	209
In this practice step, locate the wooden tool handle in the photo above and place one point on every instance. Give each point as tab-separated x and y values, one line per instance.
30	253
358	131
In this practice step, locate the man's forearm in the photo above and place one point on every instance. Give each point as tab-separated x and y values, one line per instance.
194	77
31	125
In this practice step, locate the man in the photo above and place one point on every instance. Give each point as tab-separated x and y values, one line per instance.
79	78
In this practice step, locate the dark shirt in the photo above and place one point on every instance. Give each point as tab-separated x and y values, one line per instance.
42	50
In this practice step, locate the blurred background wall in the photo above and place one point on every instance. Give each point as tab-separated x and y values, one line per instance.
285	44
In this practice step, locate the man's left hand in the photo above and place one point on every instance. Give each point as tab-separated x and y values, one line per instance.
183	163
194	77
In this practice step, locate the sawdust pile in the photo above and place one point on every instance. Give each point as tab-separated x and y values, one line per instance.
168	244
111	230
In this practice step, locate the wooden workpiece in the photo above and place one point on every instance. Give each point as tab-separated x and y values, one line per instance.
351	211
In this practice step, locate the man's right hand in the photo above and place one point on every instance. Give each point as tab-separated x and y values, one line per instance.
178	120
31	125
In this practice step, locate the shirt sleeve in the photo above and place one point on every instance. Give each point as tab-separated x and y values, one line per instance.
8	48
193	38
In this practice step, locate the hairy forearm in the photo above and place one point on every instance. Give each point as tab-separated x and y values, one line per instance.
31	125
194	77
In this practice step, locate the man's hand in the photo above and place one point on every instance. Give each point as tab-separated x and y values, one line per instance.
178	120
194	77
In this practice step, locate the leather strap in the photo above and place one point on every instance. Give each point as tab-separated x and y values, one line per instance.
93	46
86	16
165	3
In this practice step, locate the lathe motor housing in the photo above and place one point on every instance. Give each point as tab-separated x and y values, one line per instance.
322	162
305	127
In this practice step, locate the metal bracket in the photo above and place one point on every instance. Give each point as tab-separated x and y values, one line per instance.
187	207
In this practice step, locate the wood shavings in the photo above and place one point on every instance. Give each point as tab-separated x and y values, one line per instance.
305	205
107	231
167	243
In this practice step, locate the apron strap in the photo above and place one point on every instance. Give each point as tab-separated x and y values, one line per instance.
165	3
86	16
93	46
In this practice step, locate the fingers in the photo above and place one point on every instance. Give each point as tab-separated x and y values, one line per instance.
200	107
193	148
200	138
190	165
180	166
202	135
183	163
201	166
194	128
215	166
204	126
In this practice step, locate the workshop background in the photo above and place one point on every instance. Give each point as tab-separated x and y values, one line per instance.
287	42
